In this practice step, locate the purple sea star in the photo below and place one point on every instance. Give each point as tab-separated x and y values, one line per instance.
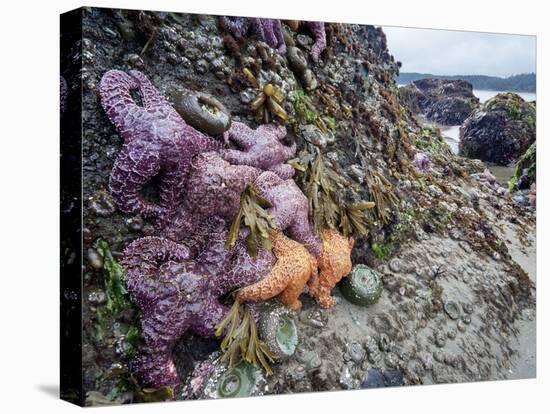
320	38
269	30
178	296
262	148
421	161
157	142
290	209
214	187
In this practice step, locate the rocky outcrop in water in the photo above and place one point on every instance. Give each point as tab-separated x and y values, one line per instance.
500	131
447	102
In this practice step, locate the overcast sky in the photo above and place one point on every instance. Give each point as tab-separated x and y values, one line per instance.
446	52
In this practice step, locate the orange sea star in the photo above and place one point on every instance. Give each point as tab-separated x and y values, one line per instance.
286	280
334	264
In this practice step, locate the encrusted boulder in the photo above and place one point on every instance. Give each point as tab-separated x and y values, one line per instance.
526	170
500	131
447	102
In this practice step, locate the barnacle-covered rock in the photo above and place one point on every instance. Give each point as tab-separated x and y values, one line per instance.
212	378
500	131
363	286
448	102
526	170
63	92
203	112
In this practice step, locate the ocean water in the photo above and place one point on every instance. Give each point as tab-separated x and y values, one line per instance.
484	95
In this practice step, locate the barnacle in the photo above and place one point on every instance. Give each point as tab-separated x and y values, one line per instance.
322	186
267	103
241	342
251	211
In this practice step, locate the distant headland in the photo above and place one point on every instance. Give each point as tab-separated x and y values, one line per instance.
525	82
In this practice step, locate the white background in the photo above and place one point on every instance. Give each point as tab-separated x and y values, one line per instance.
29	230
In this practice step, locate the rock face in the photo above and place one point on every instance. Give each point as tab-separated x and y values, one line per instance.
447	102
500	131
526	170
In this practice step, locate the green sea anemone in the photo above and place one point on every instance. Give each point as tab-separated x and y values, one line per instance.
363	286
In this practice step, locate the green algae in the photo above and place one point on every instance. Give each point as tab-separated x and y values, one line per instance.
118	298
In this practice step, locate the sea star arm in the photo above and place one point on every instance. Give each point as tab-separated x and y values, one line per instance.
273	35
278	131
135	166
237	157
237	26
154	250
142	260
302	231
150	95
122	110
290	209
267	288
242	135
171	187
288	151
284	171
156	366
318	31
256	26
278	32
